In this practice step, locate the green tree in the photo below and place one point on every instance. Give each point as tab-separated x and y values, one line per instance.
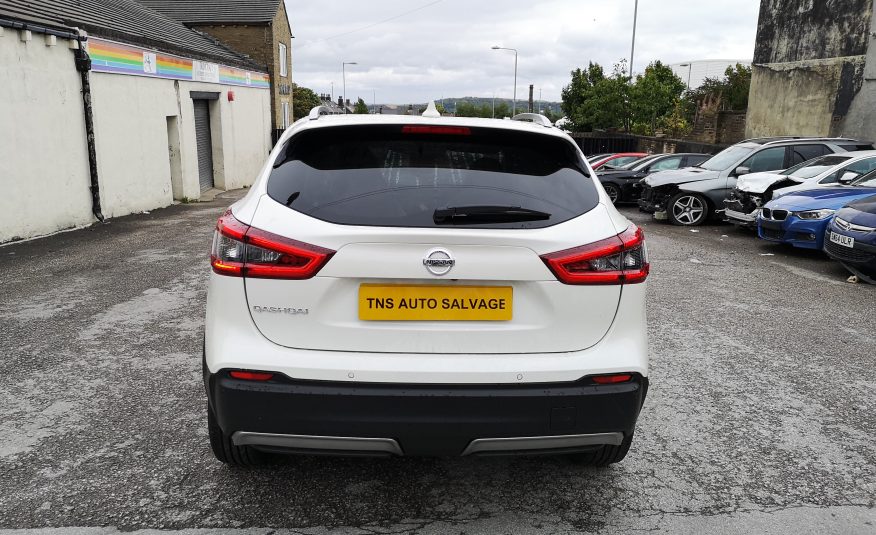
653	97
595	101
727	93
360	107
303	100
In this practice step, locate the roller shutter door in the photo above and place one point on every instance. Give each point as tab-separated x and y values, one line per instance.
204	142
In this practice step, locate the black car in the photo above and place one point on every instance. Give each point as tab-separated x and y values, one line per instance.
622	183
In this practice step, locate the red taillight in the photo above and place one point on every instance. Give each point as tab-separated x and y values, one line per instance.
612	379
622	259
251	376
243	251
437	130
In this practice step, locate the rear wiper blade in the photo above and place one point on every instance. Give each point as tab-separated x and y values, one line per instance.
462	215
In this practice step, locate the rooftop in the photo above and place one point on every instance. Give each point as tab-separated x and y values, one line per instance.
126	21
195	12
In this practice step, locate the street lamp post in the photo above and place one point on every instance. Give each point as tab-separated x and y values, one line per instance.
344	77
514	102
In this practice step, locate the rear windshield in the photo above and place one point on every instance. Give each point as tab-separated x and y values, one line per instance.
400	176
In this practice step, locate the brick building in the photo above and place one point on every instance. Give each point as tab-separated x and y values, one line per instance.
258	28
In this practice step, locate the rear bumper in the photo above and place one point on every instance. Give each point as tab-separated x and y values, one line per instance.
435	420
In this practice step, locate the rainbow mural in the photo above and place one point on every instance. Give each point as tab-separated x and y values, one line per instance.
109	56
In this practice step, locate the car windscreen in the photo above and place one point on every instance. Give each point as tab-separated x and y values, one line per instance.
405	176
816	166
726	158
638	165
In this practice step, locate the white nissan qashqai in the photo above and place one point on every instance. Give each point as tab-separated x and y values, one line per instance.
398	285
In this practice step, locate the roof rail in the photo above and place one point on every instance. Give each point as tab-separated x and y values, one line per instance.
536	118
317	111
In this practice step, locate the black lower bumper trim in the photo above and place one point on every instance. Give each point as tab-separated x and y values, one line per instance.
425	419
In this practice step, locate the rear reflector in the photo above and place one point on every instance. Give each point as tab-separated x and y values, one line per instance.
437	130
252	376
612	379
622	259
243	251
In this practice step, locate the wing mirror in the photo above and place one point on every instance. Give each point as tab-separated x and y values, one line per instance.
742	171
848	177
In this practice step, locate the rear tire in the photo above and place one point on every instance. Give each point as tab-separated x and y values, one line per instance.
225	450
613	191
605	455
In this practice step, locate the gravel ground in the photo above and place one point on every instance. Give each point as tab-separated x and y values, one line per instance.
760	416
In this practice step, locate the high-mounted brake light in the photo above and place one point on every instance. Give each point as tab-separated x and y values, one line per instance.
622	259
437	130
243	251
612	379
251	376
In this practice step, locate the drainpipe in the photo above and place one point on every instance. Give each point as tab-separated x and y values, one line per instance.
83	65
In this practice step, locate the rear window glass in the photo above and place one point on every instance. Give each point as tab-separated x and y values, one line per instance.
387	176
857	146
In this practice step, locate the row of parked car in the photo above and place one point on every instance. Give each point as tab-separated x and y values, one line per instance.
813	193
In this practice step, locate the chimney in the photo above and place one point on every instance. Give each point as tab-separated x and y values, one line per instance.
340	102
531	91
348	102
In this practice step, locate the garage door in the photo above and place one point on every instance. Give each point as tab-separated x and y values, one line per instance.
204	142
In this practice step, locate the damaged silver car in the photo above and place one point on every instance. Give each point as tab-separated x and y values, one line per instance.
756	189
691	196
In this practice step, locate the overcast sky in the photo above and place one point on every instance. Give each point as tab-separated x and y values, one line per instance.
443	49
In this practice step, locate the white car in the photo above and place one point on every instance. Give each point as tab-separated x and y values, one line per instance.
754	190
397	285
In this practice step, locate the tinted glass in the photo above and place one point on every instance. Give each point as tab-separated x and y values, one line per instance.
801	153
381	176
857	146
726	159
815	166
696	160
766	160
861	167
868	180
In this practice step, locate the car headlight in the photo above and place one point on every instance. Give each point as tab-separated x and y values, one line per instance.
815	214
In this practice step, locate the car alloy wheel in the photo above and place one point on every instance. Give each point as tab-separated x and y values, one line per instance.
613	192
688	209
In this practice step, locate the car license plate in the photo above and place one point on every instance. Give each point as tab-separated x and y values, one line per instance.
845	241
380	302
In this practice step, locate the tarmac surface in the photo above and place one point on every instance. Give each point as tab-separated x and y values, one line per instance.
761	415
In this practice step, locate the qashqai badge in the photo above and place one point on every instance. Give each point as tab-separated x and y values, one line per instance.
439	261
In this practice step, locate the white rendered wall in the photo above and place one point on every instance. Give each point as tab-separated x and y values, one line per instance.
130	116
43	155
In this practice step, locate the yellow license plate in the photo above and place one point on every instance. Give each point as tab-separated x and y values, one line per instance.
380	302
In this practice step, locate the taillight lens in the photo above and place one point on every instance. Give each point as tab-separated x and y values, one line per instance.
622	259
612	379
246	375
243	251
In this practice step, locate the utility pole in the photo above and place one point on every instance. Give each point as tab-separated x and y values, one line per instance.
531	92
539	100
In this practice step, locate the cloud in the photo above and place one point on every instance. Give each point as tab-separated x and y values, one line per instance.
444	49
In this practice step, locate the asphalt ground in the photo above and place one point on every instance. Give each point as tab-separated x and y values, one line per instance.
760	416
